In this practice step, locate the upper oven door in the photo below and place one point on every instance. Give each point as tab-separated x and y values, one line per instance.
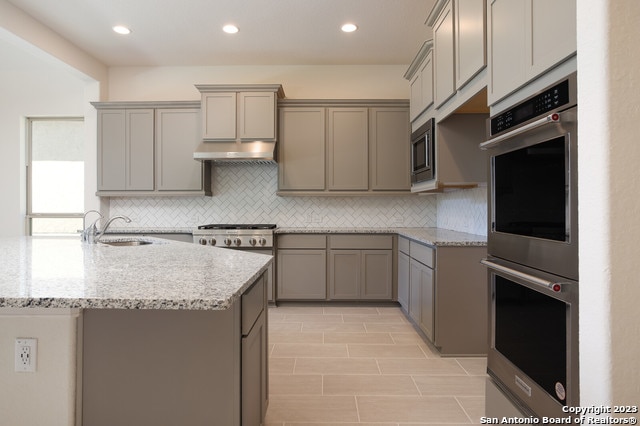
533	197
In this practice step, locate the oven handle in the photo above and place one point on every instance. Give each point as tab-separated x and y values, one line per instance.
551	118
550	285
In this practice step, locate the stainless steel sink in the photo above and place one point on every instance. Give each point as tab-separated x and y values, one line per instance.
121	243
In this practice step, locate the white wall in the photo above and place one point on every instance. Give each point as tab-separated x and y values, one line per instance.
30	86
609	154
299	82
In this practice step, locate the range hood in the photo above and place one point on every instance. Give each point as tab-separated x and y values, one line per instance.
236	152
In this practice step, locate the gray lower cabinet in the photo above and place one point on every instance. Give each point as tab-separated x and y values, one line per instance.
360	267
301	267
139	366
447	295
335	267
403	279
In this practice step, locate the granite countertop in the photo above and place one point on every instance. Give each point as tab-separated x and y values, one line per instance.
430	236
66	273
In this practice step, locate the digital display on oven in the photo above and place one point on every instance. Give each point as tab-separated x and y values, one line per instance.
548	100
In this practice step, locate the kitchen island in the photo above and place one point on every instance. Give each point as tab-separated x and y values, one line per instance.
161	333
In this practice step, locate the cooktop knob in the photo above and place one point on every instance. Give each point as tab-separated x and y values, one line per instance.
212	241
237	241
203	241
227	241
263	241
253	241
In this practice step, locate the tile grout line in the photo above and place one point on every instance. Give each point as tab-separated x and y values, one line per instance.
463	410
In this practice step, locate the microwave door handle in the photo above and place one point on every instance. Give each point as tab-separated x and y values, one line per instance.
551	118
549	285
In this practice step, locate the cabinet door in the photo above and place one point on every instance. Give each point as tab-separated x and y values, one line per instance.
219	121
257	118
416	103
347	149
302	274
389	142
177	136
403	280
470	40
427	304
139	143
443	46
426	75
507	46
254	374
344	274
415	290
301	149
553	34
111	150
377	274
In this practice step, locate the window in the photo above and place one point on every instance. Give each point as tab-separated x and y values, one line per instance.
55	175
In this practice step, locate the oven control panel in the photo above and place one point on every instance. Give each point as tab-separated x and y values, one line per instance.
549	99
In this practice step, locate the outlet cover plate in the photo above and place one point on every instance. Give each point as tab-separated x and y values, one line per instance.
26	355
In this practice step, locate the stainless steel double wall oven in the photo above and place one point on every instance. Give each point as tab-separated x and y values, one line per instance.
533	250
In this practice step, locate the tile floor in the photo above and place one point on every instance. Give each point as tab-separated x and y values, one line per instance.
363	365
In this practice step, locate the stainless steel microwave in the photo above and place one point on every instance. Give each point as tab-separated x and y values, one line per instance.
422	152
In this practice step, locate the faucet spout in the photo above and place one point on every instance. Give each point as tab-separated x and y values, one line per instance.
108	224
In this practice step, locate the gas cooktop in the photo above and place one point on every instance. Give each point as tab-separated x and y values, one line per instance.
238	226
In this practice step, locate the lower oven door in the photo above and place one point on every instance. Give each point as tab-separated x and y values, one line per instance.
533	351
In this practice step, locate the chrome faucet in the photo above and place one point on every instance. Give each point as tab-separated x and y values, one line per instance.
106	226
89	232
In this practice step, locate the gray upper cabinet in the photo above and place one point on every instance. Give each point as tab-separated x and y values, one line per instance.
527	38
177	136
420	76
389	151
443	47
125	147
459	40
146	148
347	149
344	147
239	112
301	154
470	39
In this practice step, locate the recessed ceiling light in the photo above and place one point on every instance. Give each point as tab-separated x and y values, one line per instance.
349	28
121	29
230	29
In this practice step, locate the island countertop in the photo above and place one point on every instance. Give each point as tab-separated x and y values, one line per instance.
66	273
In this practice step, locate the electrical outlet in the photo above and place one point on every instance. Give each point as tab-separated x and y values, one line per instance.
26	355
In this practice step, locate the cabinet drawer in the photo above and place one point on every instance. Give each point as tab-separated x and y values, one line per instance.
366	242
403	245
253	302
421	253
302	241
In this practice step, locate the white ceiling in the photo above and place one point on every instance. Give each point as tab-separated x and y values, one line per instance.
272	32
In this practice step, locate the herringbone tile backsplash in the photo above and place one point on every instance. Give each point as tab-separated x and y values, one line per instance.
247	194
